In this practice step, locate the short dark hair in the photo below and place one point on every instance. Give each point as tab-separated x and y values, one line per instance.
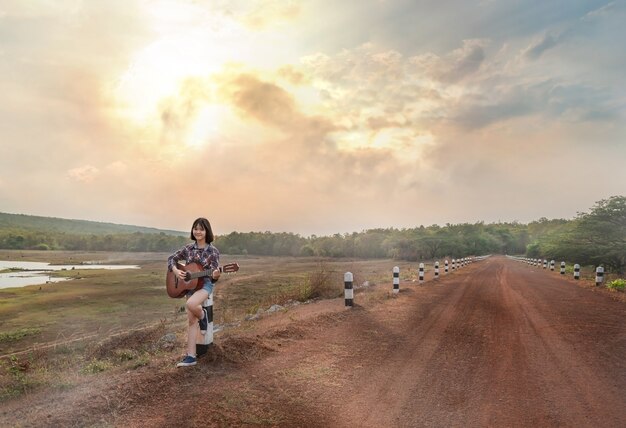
204	223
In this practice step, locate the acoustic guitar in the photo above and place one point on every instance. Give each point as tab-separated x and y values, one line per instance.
194	278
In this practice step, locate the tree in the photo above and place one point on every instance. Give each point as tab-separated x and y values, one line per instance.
603	232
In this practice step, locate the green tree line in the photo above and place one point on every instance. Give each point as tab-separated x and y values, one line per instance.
597	237
594	238
33	239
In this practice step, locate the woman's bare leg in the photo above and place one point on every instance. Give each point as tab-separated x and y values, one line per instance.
194	313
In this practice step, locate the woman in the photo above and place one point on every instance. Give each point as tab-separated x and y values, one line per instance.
202	252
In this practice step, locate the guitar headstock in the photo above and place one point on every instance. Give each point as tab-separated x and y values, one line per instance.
230	268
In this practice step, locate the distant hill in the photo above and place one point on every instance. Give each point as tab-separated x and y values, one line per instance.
79	227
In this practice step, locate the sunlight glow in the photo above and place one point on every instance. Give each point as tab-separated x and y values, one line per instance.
189	42
158	71
206	125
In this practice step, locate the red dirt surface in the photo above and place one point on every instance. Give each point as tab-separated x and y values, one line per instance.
498	343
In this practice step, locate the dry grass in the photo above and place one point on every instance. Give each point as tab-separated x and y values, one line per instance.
87	326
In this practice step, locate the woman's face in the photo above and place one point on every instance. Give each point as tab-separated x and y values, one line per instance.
199	233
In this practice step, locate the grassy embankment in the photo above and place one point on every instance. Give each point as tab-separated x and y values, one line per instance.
98	304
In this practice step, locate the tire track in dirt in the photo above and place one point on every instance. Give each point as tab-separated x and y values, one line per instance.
492	351
574	387
416	342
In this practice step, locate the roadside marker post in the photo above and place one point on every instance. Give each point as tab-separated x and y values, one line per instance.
421	274
437	270
203	341
545	263
348	290
599	275
453	264
396	279
562	268
552	265
576	271
446	266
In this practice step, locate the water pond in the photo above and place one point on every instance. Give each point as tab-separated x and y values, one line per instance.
35	273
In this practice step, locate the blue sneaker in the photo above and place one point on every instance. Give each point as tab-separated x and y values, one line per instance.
204	322
187	361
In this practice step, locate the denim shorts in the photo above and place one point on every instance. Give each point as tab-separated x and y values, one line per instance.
208	286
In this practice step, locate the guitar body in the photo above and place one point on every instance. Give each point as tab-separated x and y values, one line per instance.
177	287
194	278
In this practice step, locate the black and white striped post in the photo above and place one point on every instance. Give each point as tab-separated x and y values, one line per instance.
445	269
396	279
437	270
545	263
453	264
203	341
599	275
421	273
576	271
562	268
552	265
348	290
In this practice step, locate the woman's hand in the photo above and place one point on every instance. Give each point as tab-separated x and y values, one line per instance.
216	275
180	274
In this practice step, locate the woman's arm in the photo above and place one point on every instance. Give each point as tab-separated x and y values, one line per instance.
176	257
214	263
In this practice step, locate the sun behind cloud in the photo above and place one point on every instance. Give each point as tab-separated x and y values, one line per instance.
205	125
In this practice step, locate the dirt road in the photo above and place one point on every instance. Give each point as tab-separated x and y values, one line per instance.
498	343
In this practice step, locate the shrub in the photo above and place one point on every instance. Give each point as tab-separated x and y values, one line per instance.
96	366
618	284
318	284
14	335
15	379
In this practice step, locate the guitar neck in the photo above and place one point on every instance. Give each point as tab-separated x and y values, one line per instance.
202	273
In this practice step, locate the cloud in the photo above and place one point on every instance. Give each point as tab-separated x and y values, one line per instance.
538	47
178	111
600	12
270	13
292	75
117	167
464	61
263	101
84	174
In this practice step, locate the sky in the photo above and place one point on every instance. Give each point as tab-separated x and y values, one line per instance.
313	117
